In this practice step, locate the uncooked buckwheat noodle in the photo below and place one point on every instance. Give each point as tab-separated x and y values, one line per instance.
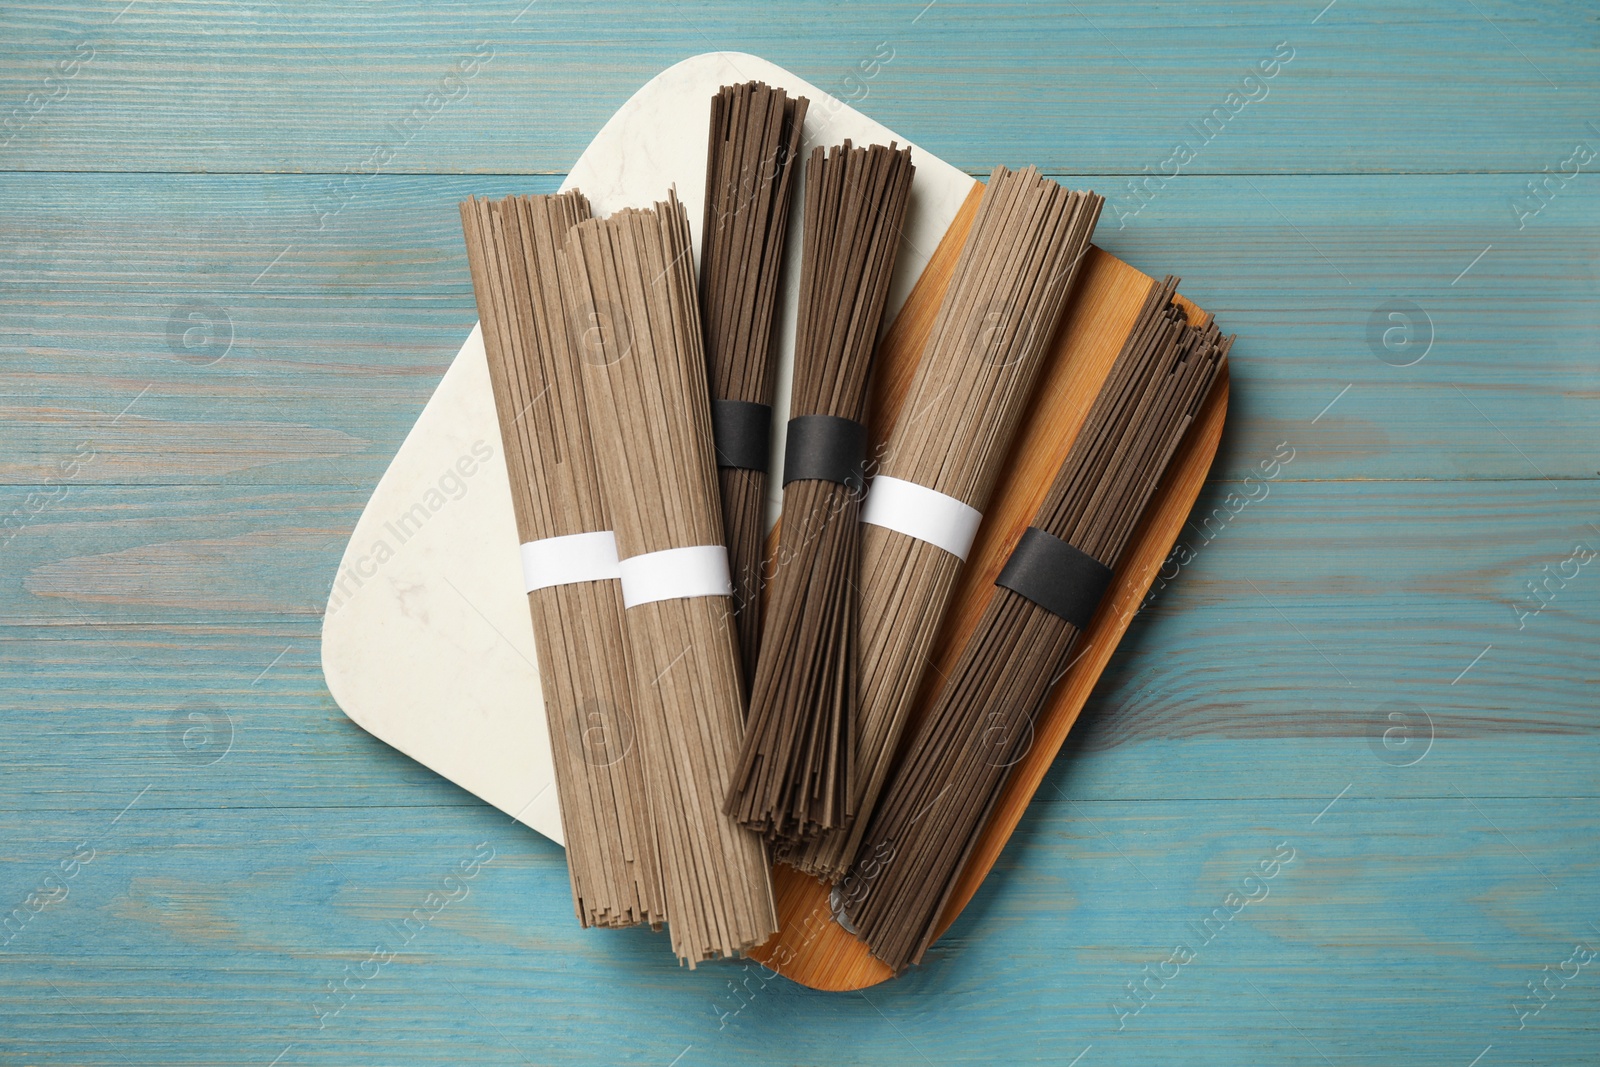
611	855
971	385
793	776
750	163
961	754
630	280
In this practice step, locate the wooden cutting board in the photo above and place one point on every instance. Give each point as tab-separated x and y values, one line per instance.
811	947
427	642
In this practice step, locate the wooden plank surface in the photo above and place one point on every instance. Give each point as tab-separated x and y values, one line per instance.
160	605
1095	86
337	346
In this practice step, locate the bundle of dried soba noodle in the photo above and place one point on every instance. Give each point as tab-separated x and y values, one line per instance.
966	399
793	777
750	163
962	752
568	553
630	280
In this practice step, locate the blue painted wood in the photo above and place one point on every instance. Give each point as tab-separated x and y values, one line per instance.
313	370
1094	85
159	595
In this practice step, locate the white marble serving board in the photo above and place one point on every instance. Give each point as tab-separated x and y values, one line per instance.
427	642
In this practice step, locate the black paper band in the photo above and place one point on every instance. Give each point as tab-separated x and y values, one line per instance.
1061	579
826	448
741	430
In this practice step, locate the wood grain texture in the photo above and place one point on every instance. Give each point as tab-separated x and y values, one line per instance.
171	573
338	345
358	68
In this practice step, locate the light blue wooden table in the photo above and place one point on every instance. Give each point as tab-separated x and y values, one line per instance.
231	273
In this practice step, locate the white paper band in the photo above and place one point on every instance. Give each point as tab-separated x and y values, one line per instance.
585	557
674	573
923	513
